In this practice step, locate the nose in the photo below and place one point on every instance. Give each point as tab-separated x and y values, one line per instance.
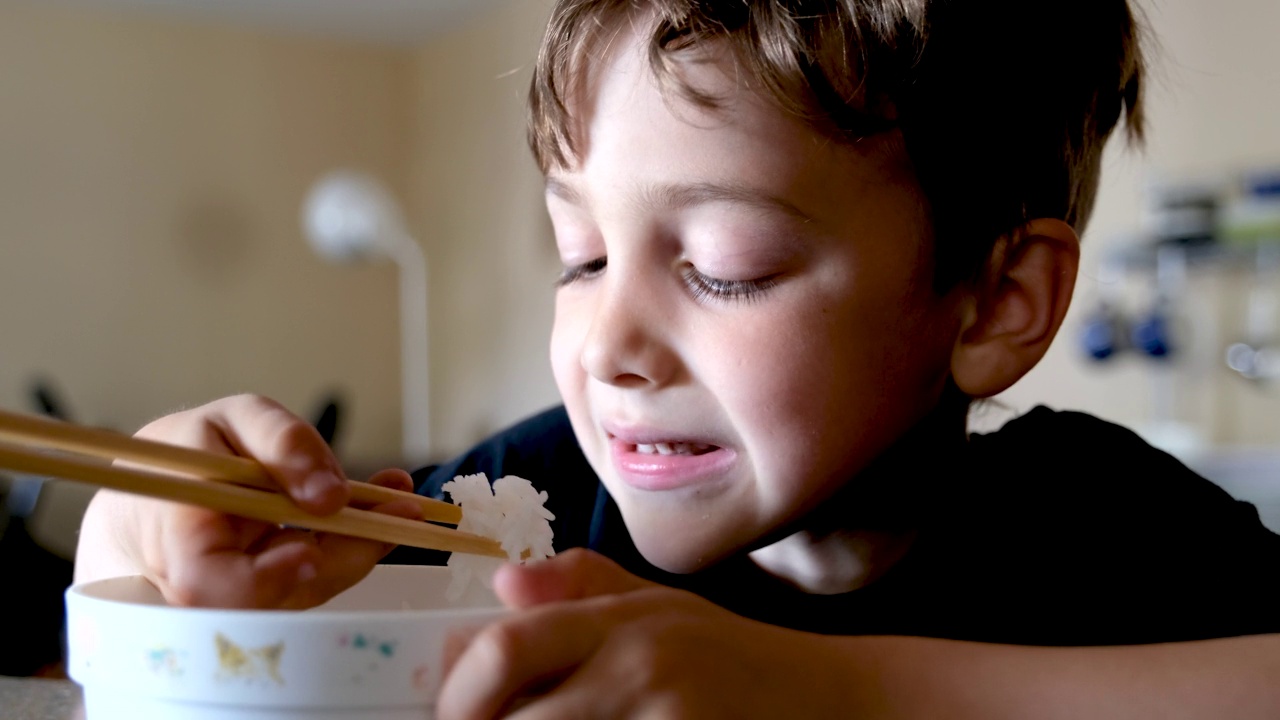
628	340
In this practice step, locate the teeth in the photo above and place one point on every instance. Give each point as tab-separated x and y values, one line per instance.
672	448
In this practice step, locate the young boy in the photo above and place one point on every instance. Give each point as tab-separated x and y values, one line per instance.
799	238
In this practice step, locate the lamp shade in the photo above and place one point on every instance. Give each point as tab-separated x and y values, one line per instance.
349	216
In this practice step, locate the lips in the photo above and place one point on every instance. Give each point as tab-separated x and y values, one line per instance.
654	462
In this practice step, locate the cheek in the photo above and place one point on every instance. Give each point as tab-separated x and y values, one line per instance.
773	370
835	384
568	329
564	347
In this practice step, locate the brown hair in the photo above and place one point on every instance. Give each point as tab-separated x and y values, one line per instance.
1003	106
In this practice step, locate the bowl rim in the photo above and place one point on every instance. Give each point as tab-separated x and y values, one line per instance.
83	595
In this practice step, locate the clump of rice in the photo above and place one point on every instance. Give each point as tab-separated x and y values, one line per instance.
510	511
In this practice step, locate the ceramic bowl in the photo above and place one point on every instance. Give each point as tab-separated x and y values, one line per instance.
372	653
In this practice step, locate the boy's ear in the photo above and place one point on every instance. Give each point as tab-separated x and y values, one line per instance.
1016	307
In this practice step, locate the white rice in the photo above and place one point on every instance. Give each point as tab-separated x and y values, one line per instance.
512	512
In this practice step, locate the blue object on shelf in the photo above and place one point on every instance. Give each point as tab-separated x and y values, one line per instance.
1100	338
1263	184
1151	336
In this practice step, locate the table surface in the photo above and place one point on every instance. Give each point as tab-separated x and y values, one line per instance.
38	699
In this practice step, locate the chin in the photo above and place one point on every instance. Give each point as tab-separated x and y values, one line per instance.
682	559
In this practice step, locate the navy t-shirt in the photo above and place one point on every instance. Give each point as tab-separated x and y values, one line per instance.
1058	529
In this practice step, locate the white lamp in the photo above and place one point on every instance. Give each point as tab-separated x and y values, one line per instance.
351	217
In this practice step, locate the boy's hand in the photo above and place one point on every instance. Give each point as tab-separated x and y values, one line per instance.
201	557
595	641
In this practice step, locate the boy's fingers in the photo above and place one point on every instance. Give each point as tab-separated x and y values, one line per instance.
393	478
257	564
580	696
344	560
184	540
456	643
290	449
571	575
510	657
342	553
279	571
233	579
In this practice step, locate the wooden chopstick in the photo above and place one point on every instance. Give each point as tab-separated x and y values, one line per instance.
247	502
21	429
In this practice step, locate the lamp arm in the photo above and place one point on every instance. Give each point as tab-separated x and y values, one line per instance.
415	359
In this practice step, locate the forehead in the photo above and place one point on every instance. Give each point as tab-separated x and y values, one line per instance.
633	133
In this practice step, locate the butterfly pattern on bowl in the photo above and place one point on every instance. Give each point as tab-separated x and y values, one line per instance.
166	661
368	654
260	663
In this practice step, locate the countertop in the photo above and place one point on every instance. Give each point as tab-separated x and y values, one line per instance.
38	699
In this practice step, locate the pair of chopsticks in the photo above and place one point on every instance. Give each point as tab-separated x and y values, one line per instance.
225	483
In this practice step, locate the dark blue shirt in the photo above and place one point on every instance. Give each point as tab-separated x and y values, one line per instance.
1058	529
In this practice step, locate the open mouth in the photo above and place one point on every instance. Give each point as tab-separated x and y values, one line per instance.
673	448
669	464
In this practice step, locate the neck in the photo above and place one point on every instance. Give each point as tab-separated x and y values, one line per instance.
854	537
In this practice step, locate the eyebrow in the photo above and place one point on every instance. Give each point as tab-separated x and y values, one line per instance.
677	196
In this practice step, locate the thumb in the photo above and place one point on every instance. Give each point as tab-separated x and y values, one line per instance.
230	578
571	575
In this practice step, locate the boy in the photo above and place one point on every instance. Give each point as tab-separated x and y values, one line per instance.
799	239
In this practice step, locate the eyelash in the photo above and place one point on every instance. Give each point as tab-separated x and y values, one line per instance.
700	285
704	287
584	271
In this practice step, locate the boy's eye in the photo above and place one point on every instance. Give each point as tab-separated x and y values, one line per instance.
704	286
584	271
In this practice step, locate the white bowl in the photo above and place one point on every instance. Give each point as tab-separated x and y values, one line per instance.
372	653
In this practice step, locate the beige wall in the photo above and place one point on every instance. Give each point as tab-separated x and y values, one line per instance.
479	204
151	175
150	250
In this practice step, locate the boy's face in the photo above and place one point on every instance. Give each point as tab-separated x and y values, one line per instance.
746	319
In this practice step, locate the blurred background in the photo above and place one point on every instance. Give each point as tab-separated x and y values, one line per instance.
156	157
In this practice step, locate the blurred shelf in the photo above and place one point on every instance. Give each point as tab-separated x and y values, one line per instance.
1140	255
